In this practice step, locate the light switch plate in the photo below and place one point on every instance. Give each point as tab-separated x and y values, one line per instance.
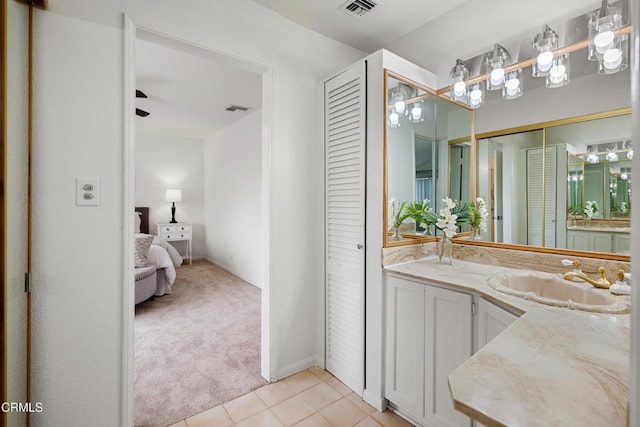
88	191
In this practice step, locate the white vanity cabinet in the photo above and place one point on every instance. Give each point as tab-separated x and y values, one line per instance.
598	241
492	320
429	334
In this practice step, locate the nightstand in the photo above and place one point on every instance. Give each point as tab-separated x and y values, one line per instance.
180	231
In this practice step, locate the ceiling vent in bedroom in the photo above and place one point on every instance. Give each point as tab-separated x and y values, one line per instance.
359	7
234	107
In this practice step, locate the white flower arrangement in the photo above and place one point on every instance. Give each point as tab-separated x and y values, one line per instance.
446	219
590	208
479	214
624	207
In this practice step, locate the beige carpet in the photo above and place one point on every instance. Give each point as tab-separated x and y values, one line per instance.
196	348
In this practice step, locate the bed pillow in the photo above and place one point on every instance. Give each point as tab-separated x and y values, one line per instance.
137	221
143	241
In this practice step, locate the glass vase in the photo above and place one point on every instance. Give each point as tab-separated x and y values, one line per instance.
587	221
445	250
476	234
396	233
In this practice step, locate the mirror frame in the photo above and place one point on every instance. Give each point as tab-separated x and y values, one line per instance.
543	126
409	238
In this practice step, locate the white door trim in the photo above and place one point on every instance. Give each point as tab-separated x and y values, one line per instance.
269	349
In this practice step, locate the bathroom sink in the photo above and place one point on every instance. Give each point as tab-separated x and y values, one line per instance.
553	290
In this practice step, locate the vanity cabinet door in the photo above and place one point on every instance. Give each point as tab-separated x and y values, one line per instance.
405	345
578	240
448	344
600	241
621	243
492	320
428	336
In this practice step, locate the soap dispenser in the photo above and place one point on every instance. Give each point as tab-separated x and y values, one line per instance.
621	287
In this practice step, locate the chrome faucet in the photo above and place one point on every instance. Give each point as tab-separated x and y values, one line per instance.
602	282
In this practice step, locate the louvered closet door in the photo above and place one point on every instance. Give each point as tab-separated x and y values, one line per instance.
345	216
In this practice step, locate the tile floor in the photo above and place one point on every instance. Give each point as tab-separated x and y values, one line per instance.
312	398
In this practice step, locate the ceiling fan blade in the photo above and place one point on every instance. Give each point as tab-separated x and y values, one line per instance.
140	94
142	113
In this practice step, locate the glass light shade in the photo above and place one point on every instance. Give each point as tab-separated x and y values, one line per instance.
173	195
607	44
416	114
624	176
459	73
513	85
394	120
559	72
630	154
545	43
476	96
494	66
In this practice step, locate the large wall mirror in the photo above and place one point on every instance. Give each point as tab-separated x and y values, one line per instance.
426	137
563	184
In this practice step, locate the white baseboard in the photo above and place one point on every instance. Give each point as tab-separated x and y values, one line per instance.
300	366
375	400
229	270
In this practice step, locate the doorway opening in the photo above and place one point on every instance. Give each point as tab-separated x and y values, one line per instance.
199	340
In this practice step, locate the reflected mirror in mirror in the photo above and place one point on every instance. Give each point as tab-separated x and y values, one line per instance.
419	156
411	154
575	185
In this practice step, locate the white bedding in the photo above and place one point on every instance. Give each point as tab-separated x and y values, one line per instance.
166	258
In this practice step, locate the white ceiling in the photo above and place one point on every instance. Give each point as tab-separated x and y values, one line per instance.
188	88
386	22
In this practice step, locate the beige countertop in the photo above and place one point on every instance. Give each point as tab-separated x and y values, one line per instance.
551	367
626	230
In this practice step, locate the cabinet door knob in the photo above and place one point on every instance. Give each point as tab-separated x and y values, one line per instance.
360	246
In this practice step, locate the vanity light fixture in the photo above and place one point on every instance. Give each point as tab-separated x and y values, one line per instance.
607	44
593	156
398	97
630	154
476	95
612	156
416	114
545	43
494	65
394	120
513	85
624	174
459	73
559	72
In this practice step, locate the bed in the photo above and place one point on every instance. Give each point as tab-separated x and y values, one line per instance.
158	275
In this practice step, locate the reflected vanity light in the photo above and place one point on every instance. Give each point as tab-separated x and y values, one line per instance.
417	113
513	85
394	120
612	156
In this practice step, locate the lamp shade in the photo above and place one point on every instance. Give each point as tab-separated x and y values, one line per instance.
173	195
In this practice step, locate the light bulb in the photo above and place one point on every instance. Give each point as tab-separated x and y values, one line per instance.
416	113
497	76
624	176
575	178
612	59
630	154
557	73
399	107
612	157
545	60
604	41
580	177
459	88
475	97
512	86
592	158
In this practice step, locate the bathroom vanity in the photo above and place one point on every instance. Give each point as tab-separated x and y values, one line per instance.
457	350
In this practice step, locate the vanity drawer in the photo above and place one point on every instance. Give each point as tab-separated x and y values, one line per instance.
176	235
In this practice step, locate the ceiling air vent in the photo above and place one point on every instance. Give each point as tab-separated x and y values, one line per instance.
234	107
359	7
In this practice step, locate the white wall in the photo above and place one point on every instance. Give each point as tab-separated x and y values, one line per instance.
15	215
77	290
232	201
588	94
78	311
162	162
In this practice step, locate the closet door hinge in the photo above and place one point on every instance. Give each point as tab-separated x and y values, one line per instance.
27	282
